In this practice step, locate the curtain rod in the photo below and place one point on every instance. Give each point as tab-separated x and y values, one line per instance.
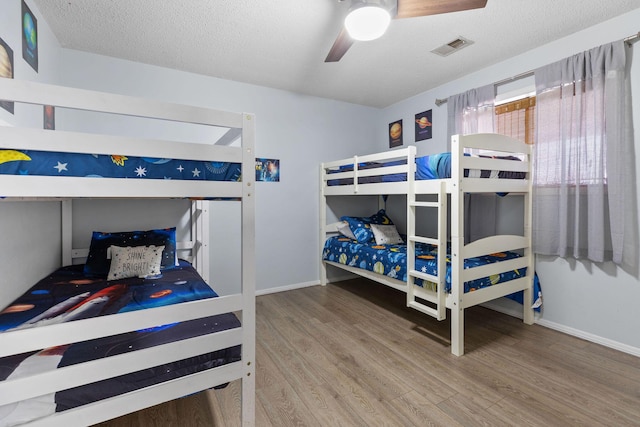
628	40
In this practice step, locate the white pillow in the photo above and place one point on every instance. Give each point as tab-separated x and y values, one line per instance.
386	234
136	261
345	230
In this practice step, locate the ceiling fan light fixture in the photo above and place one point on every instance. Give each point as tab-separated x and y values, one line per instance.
367	22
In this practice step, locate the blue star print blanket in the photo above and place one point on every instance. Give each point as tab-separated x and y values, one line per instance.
45	163
391	261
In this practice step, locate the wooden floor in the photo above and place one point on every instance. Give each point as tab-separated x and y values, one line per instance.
351	354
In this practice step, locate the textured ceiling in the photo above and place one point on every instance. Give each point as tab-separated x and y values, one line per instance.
283	43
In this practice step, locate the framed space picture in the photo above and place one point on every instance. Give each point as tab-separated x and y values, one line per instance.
268	170
29	37
6	70
423	125
395	134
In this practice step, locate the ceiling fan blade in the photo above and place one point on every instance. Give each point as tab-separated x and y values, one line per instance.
415	8
340	47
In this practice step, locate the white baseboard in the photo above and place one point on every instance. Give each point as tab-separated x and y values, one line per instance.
334	279
287	288
625	348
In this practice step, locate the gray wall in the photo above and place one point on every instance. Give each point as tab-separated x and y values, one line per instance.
593	301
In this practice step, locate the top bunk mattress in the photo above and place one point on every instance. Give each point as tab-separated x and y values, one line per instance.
434	166
46	163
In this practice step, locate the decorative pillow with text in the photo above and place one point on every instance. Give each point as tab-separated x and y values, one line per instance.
135	261
386	234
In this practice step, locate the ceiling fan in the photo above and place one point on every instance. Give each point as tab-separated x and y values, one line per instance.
380	12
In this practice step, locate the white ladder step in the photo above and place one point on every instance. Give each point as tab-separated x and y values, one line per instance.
422	239
426	310
424	276
425	204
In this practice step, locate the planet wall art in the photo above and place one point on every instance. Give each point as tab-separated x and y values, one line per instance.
6	70
29	37
395	134
423	126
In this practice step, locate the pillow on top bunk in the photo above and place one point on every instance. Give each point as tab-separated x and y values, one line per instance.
361	226
98	264
386	234
136	261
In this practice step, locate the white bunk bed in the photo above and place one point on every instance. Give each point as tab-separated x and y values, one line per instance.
349	177
65	189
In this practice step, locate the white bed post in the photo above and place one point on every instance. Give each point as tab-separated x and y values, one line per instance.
457	246
411	224
200	229
248	272
527	297
323	225
66	231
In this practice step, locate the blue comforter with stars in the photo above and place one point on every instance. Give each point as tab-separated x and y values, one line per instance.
45	163
391	261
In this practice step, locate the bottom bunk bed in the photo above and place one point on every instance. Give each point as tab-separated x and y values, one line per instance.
68	294
83	342
387	263
390	262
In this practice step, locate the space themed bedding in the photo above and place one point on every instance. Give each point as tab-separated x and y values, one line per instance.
46	163
434	166
391	260
69	295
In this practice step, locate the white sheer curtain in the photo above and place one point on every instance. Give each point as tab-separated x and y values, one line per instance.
584	179
473	112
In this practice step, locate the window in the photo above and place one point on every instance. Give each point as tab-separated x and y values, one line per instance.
517	118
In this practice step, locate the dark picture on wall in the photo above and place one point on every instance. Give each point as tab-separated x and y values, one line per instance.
29	37
49	117
268	170
423	126
395	134
6	70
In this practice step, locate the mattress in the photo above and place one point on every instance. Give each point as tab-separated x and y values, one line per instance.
435	166
391	261
45	163
69	295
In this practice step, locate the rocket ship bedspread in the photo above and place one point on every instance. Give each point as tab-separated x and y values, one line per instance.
68	295
45	163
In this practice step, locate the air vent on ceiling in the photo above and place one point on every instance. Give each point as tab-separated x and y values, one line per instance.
452	46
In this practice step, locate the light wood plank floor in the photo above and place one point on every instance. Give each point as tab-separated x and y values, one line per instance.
352	354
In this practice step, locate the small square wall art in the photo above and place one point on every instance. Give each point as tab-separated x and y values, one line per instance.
267	170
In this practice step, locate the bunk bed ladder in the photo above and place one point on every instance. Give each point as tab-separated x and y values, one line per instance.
438	298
